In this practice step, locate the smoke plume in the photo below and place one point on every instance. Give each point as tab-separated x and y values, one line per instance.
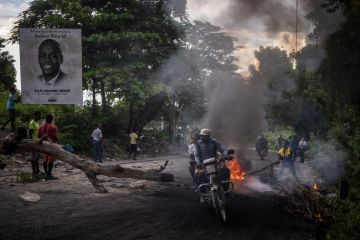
235	111
327	158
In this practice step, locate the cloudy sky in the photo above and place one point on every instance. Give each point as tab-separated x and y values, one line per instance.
9	10
254	23
251	22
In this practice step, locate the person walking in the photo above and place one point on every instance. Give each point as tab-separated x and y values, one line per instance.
10	106
302	147
285	156
97	137
49	132
34	127
133	143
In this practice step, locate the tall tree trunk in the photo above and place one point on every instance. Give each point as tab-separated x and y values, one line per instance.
94	103
103	97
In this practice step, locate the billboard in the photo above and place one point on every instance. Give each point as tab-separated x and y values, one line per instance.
51	66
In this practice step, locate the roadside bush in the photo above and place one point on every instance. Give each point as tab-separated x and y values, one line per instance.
273	135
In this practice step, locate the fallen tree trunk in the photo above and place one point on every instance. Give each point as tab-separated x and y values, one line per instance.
90	168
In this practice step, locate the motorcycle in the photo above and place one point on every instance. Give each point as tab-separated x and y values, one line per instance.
215	190
262	152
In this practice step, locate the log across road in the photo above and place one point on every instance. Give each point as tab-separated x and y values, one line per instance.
69	209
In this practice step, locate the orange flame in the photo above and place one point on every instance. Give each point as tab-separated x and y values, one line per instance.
236	173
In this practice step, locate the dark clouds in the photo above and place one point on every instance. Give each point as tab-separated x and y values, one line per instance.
275	15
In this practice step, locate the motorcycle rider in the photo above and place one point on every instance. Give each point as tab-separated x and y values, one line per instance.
261	144
208	147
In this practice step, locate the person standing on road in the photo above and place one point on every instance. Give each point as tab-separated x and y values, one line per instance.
192	162
302	147
133	143
97	137
286	157
179	138
49	132
33	134
261	146
294	146
10	106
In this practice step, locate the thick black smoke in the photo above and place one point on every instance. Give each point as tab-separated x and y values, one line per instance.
235	111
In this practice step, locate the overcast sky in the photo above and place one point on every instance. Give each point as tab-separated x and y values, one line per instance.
250	30
9	10
254	23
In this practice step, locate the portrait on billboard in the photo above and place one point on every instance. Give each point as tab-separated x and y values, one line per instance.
51	66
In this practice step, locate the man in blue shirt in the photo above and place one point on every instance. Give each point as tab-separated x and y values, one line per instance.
10	106
206	148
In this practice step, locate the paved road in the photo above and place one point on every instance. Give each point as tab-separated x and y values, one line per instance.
69	209
178	166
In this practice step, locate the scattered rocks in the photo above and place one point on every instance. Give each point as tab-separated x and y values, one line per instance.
141	184
121	185
30	197
331	196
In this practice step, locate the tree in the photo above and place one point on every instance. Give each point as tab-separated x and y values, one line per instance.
7	69
124	42
274	75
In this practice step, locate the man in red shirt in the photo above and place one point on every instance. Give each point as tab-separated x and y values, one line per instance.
48	132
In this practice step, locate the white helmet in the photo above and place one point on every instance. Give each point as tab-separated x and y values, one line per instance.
205	132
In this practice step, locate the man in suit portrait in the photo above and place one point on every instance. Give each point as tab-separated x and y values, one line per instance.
50	58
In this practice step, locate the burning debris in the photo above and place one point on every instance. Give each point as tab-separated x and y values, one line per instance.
236	172
309	201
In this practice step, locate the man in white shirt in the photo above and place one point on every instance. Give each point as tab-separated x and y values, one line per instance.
302	147
96	140
192	163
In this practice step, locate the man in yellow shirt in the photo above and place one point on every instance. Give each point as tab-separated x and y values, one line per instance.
33	134
285	156
133	143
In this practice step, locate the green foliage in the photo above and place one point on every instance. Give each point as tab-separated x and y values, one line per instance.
276	77
347	225
124	42
26	177
273	135
7	69
76	126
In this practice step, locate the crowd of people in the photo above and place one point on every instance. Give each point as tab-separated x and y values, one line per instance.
287	151
201	147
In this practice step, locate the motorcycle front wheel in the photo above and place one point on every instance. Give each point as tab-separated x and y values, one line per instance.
219	205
